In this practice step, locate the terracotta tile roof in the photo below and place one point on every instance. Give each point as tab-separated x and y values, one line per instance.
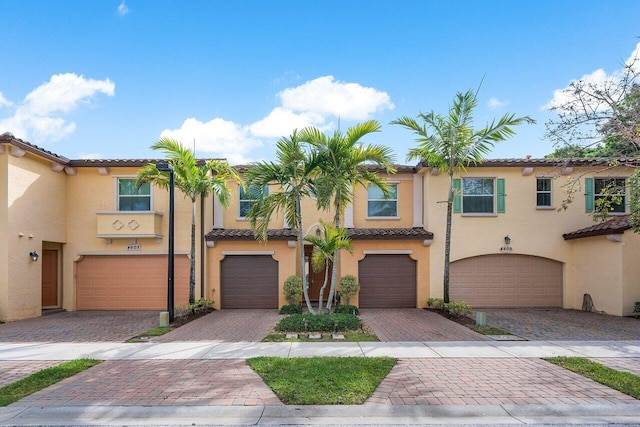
8	137
354	233
573	162
374	168
615	225
123	162
389	234
247	234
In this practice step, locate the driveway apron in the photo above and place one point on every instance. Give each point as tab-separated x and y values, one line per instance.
414	324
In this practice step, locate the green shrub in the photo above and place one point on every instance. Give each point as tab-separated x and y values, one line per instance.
435	303
346	309
291	309
200	305
458	308
292	289
349	286
636	307
318	323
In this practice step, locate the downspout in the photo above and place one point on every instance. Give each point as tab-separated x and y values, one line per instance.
202	244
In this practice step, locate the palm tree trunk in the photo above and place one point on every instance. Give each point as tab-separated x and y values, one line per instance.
447	240
192	272
305	280
324	285
336	258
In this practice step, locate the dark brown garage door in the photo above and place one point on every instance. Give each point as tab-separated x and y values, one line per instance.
249	281
387	281
129	282
507	281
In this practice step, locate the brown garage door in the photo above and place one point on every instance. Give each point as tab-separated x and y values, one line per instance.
129	282
507	281
249	281
387	281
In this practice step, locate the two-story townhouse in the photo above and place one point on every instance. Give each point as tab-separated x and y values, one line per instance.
390	249
512	245
101	244
78	235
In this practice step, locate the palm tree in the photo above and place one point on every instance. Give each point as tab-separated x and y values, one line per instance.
293	173
449	143
343	165
325	246
194	179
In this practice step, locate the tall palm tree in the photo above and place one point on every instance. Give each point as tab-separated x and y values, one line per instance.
450	143
194	179
325	246
293	173
343	165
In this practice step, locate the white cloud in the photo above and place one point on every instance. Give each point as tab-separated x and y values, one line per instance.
281	122
598	79
91	156
495	104
220	137
39	115
123	9
4	102
329	97
315	103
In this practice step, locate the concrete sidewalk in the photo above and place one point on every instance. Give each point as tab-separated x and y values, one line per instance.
243	350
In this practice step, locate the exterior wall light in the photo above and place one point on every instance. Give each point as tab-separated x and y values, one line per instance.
507	240
34	256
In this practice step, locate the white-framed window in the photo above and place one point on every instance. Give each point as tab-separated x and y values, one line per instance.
248	198
543	192
132	198
613	190
378	206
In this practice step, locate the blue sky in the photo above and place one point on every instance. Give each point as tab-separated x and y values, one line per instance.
107	78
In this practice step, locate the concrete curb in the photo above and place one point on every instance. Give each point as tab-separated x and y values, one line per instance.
321	415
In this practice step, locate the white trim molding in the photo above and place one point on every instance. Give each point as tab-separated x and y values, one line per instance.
388	252
248	252
417	201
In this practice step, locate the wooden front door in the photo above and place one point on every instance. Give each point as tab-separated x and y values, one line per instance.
50	278
316	279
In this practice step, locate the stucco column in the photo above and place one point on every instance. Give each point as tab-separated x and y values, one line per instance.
417	201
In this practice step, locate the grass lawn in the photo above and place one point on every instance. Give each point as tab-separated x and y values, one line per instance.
43	379
488	330
322	380
624	382
326	337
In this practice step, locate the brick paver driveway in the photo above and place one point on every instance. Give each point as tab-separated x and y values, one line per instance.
557	324
226	326
80	326
414	324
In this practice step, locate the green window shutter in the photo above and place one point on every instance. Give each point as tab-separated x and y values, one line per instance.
457	198
500	205
588	194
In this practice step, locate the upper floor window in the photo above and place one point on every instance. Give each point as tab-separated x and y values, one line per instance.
132	198
378	206
248	198
479	195
543	192
609	193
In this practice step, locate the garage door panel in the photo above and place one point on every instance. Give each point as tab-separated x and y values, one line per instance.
249	281
387	281
508	280
129	282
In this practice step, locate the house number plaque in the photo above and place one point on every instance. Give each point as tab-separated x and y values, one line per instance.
133	247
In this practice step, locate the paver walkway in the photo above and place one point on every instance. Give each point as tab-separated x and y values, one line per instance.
489	382
225	326
80	326
414	324
159	383
558	324
627	364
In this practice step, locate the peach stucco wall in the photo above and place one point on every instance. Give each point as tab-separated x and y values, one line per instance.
631	271
34	215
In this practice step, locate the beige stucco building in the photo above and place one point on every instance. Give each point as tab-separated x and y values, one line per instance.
103	246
